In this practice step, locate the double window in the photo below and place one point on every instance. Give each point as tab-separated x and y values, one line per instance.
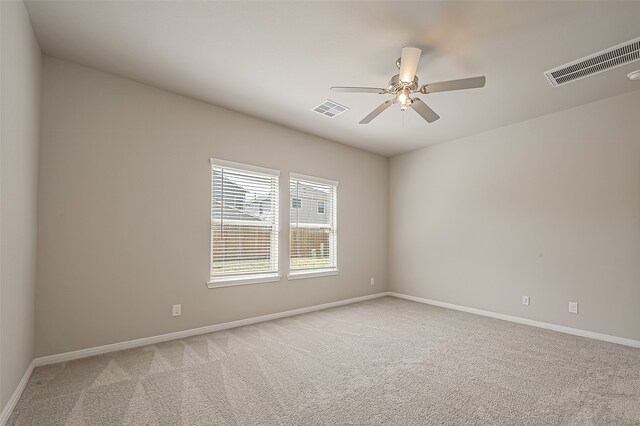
245	204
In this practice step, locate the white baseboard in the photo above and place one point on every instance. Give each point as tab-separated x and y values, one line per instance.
539	324
11	404
98	350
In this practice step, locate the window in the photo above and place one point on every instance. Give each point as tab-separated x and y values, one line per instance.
313	239
244	224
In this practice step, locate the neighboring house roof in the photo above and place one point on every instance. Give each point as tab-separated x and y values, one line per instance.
227	183
238	205
308	190
232	213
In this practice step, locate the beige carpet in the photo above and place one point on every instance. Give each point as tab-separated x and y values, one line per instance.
386	361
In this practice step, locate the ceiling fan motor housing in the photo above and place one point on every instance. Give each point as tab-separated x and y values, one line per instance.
395	85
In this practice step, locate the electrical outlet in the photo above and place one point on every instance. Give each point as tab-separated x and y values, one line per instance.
525	300
177	310
373	281
573	307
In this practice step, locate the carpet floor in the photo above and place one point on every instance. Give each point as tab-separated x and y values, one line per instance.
382	362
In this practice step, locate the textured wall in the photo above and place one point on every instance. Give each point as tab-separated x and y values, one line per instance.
548	208
124	211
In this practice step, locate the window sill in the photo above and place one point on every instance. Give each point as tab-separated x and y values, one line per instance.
251	279
312	274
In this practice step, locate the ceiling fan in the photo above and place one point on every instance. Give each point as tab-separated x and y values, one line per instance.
404	84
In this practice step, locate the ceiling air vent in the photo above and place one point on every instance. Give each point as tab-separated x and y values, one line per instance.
330	108
593	64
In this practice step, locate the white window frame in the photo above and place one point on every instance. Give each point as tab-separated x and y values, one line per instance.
258	277
317	272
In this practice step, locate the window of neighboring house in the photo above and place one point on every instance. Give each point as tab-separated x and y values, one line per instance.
313	233
244	224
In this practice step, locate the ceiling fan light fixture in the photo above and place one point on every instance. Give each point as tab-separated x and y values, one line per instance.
403	97
405	83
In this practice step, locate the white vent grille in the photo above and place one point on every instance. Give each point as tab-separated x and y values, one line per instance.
330	108
593	64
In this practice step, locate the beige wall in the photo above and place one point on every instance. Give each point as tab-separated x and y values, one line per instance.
124	211
20	94
548	208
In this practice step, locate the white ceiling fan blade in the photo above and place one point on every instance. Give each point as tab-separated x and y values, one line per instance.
359	89
445	86
424	110
376	112
409	63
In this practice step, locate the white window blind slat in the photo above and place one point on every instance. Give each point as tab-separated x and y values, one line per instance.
244	221
313	216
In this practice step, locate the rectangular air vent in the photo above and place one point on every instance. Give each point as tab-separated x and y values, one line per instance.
330	108
593	64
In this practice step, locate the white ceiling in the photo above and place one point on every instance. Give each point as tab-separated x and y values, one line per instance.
277	60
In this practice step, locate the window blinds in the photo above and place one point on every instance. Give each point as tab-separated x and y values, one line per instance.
244	220
313	238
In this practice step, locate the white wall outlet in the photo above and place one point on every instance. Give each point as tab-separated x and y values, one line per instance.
573	307
525	300
373	281
177	310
